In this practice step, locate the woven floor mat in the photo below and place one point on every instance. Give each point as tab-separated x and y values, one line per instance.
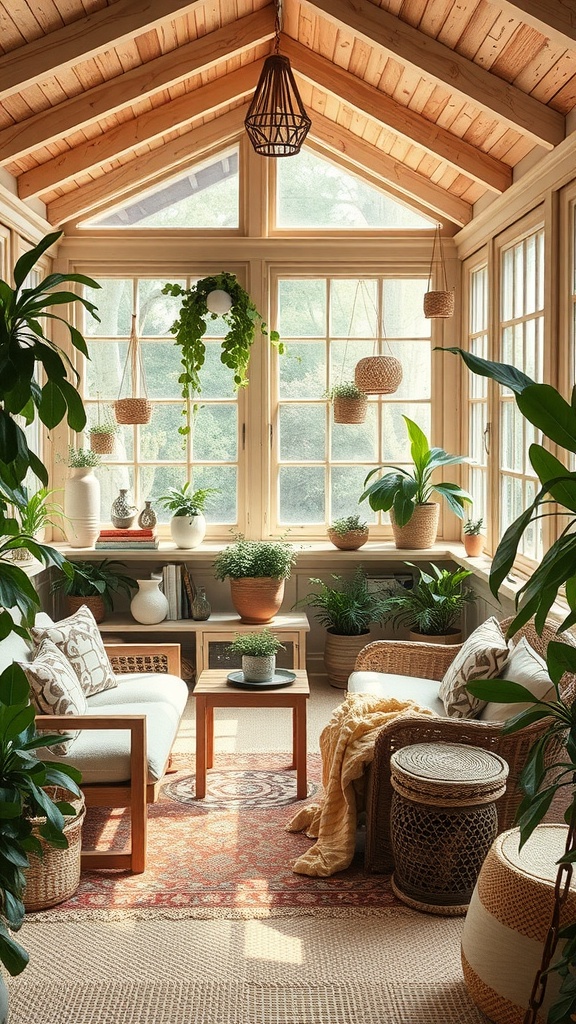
396	966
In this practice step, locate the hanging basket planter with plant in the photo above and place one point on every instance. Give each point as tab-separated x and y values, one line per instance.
136	409
208	299
438	303
349	403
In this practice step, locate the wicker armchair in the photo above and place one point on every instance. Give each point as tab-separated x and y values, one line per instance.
430	661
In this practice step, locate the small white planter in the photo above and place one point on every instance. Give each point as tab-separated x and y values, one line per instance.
188	531
259	669
149	604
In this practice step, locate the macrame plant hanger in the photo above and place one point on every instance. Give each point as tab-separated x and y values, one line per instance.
349	408
378	374
101	441
438	303
137	408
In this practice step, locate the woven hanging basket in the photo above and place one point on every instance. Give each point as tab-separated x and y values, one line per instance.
378	375
420	530
438	304
55	876
350	410
102	444
137	409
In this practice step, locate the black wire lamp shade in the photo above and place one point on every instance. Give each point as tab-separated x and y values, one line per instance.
277	122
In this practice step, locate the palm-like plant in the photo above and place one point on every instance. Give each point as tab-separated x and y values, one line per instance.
95	579
348	608
434	604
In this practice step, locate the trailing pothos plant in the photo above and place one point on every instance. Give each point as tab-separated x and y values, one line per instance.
189	329
25	347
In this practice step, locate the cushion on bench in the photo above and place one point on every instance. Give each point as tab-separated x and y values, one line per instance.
386	684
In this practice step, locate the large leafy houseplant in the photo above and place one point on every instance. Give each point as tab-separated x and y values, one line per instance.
347	608
95	579
25	347
433	605
402	490
255	558
189	329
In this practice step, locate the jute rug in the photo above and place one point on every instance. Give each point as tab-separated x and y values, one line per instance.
228	855
391	967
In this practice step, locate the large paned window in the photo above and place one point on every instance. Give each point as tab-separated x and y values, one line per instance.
328	324
521	332
478	421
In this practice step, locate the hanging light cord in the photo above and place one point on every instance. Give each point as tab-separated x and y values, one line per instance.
277	26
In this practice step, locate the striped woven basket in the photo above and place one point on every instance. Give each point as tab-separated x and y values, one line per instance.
420	530
133	410
438	304
55	876
350	410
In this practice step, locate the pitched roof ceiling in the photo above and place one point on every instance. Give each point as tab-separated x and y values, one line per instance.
440	99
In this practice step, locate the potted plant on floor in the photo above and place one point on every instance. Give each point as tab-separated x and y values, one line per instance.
406	495
431	608
188	524
347	611
349	403
348	533
258	651
93	584
257	570
473	539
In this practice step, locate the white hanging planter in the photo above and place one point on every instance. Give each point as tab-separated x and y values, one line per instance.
188	531
219	301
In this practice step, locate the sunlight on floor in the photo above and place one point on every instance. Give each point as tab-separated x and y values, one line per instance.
263	942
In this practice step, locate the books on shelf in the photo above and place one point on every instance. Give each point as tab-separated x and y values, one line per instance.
127	540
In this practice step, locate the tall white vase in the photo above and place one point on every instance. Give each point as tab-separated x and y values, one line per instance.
149	604
82	508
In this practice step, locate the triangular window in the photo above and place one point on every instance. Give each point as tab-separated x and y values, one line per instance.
206	196
313	192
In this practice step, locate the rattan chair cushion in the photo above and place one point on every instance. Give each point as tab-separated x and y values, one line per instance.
526	667
482	656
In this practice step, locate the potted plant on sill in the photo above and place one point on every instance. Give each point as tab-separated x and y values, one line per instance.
349	402
347	611
257	570
473	539
348	533
258	651
188	524
431	608
406	495
199	304
33	515
93	584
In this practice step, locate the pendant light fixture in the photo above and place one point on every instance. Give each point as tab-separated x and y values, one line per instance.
277	122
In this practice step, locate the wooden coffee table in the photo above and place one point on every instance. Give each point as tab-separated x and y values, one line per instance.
213	691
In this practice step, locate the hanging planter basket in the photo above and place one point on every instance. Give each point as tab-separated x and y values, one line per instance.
102	444
439	303
138	408
378	375
350	410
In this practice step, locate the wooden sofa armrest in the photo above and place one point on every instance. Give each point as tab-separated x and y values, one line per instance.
407	658
128	658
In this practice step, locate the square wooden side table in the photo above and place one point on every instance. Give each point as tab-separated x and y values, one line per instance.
213	691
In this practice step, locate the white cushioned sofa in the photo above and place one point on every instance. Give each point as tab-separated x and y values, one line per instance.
123	736
417	672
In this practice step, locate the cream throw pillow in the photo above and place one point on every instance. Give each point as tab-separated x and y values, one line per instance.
482	656
54	687
79	640
524	666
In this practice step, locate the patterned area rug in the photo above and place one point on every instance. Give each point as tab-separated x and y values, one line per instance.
226	856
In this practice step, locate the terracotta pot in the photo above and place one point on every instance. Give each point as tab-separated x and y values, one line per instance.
474	544
95	604
350	541
453	636
421	530
340	653
257	598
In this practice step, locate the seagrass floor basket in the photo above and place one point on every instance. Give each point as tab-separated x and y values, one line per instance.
55	876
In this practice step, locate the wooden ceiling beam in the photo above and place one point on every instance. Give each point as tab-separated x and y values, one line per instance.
556	19
193	58
406	123
407	183
148	168
146	128
434	60
82	39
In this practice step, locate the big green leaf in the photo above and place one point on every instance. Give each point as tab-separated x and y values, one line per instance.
561	483
502	373
30	259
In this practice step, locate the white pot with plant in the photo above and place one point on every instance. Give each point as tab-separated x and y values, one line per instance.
473	539
348	533
82	498
349	402
188	524
258	651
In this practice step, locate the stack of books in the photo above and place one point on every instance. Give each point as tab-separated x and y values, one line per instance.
126	540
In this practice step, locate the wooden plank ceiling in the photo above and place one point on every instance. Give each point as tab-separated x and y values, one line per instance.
440	99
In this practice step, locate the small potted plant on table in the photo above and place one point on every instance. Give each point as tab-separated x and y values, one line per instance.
348	533
257	570
473	539
93	584
188	524
258	652
432	606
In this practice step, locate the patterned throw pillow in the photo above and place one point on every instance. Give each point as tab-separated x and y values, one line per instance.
78	637
482	656
54	686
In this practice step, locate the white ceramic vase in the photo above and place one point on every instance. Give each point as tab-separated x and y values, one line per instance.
149	604
82	508
188	531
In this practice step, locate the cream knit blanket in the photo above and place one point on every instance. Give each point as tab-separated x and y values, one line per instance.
347	748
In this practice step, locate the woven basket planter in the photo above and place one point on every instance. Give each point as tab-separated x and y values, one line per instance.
340	653
55	876
102	444
350	541
421	530
133	410
257	598
453	637
95	604
350	410
438	304
378	375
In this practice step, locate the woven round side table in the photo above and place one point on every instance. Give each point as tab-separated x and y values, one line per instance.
443	822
